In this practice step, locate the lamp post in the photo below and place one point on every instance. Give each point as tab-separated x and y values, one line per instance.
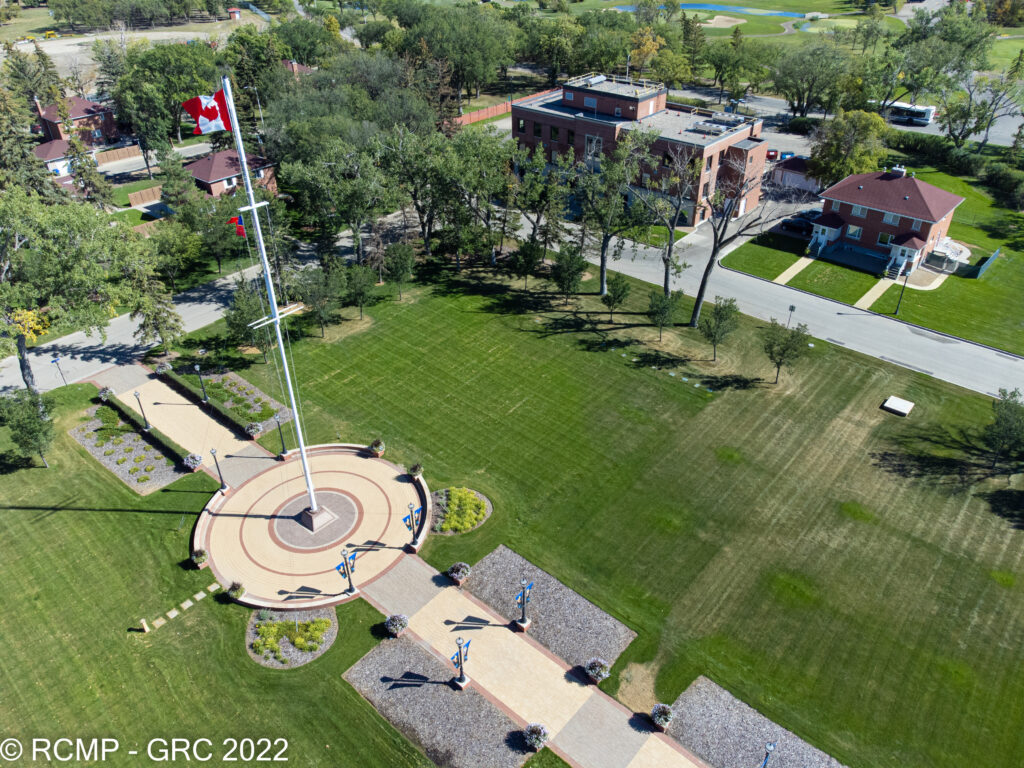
280	434
223	485
768	749
142	411
459	659
410	523
348	565
792	309
201	382
900	301
523	598
56	361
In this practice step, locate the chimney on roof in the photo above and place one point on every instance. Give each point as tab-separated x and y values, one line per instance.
39	107
860	186
899	170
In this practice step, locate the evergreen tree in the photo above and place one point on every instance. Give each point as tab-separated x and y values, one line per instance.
178	189
90	183
19	167
157	316
248	306
525	260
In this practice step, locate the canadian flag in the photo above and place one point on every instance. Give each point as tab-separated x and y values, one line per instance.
209	112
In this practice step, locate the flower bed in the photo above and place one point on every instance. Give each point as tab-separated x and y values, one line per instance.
273	640
130	454
459	510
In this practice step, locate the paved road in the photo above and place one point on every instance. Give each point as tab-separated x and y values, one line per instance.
959	362
133	164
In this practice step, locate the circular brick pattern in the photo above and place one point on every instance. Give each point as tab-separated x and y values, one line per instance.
288	530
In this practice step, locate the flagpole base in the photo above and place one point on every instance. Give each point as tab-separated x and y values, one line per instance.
462	683
521	626
314	520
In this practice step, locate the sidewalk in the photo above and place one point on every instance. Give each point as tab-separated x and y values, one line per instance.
587	727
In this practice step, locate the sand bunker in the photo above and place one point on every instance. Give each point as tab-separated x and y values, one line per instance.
722	22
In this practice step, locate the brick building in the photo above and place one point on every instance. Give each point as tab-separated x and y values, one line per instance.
93	122
889	218
221	172
590	113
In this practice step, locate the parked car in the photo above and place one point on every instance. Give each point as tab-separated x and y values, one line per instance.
797	226
787	155
810	215
773	154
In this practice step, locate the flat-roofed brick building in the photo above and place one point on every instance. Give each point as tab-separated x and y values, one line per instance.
591	112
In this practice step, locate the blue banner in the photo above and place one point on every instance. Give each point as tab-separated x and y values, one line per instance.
465	650
408	522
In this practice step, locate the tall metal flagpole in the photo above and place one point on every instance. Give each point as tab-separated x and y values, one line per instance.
275	316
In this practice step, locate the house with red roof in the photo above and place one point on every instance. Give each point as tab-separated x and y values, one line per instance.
55	155
221	172
93	122
888	221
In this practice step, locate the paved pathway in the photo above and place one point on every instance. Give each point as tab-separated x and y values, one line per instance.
588	728
874	293
793	270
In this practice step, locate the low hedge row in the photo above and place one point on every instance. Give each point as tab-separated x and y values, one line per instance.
154	435
224	415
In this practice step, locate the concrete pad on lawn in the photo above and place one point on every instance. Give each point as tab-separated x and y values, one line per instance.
411	688
524	678
172	614
599	735
157	623
186	605
407	587
198	596
792	271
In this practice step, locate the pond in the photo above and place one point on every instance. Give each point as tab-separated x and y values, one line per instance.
726	8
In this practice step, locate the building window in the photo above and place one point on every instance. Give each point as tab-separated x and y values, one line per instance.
229	183
568	95
570	137
853	233
536	130
707	186
916	225
835	205
708	166
590	102
521	125
884	238
666	160
554	132
259	173
892	218
860	211
593	146
97	134
618	111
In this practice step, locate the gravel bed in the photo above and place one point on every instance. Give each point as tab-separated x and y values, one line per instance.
720	728
439	502
295	657
564	622
412	689
251	398
132	445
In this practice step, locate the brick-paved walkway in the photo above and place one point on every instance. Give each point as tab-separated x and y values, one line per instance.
588	728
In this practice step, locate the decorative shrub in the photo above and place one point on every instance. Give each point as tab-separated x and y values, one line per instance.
270	633
199	556
396	624
416	470
106	393
148	468
464	511
377	446
253	428
139	459
263	614
460	571
118	441
122	460
133	471
108	452
162	368
142	479
236	590
662	715
536	735
193	460
108	417
598	669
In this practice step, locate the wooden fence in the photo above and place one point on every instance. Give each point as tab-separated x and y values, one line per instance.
498	109
145	228
144	196
121	153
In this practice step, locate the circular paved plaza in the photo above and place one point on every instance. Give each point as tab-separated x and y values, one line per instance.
253	535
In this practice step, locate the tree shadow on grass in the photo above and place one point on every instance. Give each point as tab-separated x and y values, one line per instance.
12	462
1007	503
605	344
736	381
654	358
940	454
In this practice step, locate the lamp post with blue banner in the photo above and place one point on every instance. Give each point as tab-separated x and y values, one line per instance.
768	749
346	568
412	522
56	361
522	600
459	659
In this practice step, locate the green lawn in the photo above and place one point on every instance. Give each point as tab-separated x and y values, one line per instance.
30	21
652	235
83	558
132	217
987	309
122	191
766	256
833	281
819	558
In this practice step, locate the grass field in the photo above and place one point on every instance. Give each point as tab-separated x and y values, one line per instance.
132	217
30	21
830	564
833	281
766	256
985	310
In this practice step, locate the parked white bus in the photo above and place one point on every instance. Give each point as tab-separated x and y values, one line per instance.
912	114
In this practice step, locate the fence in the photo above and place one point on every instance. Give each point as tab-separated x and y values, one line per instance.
121	153
145	228
498	109
257	11
984	265
144	196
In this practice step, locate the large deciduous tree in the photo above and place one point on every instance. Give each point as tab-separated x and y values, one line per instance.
31	427
852	142
806	74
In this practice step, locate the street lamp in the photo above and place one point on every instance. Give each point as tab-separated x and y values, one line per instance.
223	485
143	412
201	382
410	522
56	361
768	749
460	658
348	564
523	599
280	433
792	309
